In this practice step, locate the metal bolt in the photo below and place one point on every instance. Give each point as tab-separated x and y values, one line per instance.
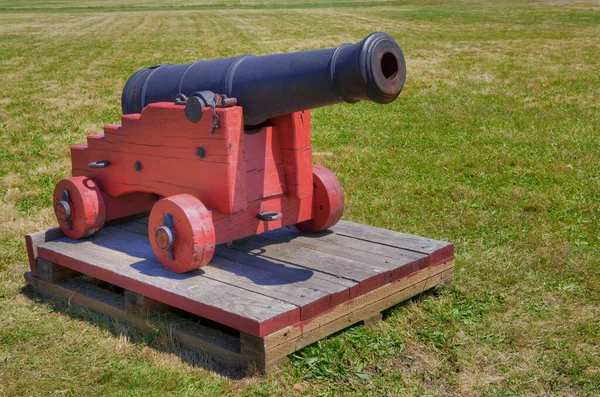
164	237
62	209
201	152
137	165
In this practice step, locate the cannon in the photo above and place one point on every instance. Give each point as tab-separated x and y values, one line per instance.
220	150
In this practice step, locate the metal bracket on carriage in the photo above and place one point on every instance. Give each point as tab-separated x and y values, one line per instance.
269	216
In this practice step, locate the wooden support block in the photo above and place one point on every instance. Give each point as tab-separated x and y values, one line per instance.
253	349
34	240
53	273
372	320
140	306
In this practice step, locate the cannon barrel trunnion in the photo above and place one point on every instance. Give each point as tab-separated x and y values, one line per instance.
210	180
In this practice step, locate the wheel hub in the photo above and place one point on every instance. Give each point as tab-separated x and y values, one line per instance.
165	238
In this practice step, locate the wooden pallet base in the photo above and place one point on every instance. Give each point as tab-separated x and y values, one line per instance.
231	347
257	302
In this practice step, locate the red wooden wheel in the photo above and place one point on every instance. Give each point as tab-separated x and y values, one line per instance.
79	207
328	201
181	233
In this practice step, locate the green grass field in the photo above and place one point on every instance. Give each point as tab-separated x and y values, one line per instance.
493	145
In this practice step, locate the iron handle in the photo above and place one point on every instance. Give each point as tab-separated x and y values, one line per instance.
99	164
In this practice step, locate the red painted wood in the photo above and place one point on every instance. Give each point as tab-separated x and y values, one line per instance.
328	201
165	176
265	174
244	224
167	145
442	255
297	153
241	323
86	204
236	177
128	204
31	255
193	229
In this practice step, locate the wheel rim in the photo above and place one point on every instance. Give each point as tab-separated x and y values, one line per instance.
79	207
181	233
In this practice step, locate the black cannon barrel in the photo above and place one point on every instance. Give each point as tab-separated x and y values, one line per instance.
273	85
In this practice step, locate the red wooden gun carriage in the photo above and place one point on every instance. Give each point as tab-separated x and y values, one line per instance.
211	172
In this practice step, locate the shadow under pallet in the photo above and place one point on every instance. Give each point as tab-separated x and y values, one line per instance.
259	300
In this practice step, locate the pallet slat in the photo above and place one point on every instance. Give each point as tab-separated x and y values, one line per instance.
277	292
127	260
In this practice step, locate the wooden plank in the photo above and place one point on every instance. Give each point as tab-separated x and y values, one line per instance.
287	284
326	242
438	251
287	334
134	227
52	272
354	311
398	261
310	301
33	240
337	289
368	276
140	305
265	175
221	346
164	122
215	150
161	175
126	259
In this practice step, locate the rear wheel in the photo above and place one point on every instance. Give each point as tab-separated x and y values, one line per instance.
79	207
328	201
181	233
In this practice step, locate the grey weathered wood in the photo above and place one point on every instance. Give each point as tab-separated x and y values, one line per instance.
329	243
315	260
349	247
266	276
128	255
141	306
382	256
222	347
261	278
278	285
287	271
53	273
290	339
388	237
33	240
134	227
260	281
372	320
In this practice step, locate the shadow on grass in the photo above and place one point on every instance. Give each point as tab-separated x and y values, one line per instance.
158	337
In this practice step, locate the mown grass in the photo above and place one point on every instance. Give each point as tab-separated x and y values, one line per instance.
494	145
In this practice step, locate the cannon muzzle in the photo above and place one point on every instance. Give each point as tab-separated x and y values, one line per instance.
273	85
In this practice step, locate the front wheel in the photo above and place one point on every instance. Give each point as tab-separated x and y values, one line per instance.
328	201
79	207
181	233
